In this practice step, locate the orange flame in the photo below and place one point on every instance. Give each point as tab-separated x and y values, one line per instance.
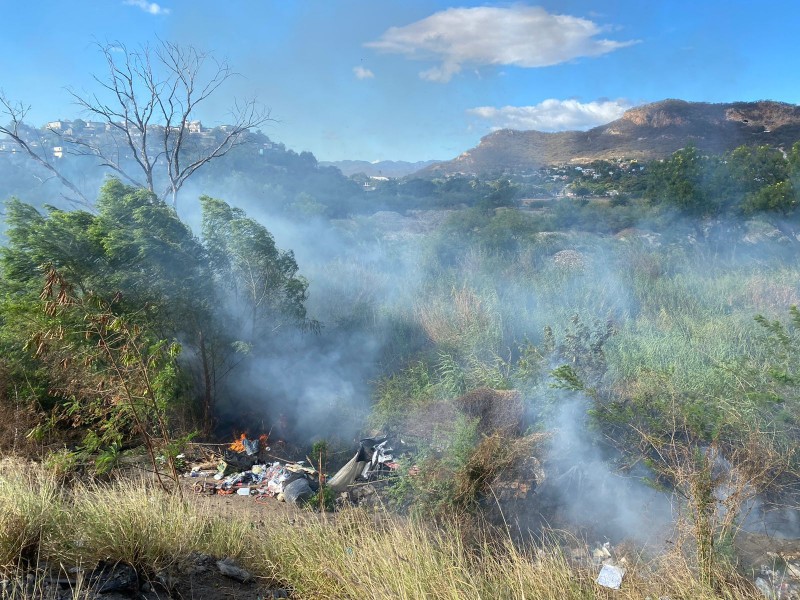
238	445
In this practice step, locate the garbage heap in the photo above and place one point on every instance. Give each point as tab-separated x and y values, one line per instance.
247	473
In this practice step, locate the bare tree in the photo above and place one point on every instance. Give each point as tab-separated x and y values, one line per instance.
145	101
16	130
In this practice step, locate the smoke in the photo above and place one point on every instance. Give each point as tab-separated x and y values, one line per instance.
305	386
677	295
584	489
656	289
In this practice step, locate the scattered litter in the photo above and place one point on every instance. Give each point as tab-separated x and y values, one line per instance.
372	460
781	579
602	552
243	469
298	491
250	446
198	473
765	588
611	577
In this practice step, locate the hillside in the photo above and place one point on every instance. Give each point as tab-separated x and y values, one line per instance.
387	168
646	132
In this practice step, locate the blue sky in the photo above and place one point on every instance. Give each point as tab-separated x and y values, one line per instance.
412	79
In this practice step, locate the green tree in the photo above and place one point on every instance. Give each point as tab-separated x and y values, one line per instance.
682	181
266	290
306	206
502	193
118	381
753	178
780	198
137	252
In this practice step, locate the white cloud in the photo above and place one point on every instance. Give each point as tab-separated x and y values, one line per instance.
441	74
553	115
148	7
523	36
362	73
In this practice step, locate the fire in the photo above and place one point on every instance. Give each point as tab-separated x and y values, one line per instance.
238	445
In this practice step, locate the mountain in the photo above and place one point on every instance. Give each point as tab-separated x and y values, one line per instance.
645	132
387	168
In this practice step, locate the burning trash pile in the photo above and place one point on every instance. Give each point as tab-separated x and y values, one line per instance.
245	469
501	471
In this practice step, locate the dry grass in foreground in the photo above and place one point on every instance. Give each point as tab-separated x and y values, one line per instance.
355	555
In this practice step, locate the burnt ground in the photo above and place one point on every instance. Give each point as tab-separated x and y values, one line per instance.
197	577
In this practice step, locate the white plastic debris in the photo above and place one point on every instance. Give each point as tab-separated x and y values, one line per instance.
765	588
611	577
602	552
243	491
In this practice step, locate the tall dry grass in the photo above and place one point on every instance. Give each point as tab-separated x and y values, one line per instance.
466	320
135	523
355	554
31	509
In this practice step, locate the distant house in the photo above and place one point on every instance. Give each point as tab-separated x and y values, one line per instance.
57	125
58	151
194	127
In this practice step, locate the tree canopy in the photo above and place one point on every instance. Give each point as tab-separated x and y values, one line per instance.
215	295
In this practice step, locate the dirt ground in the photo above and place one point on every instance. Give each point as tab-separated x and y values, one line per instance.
247	508
754	550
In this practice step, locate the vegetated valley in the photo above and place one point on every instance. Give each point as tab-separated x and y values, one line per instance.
585	371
